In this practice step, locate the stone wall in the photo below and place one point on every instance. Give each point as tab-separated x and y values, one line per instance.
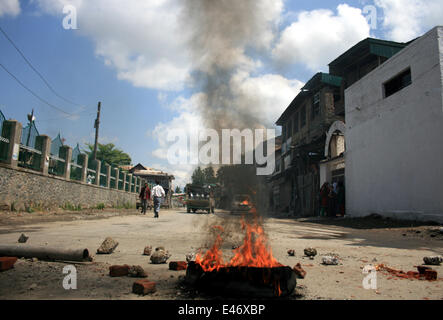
25	189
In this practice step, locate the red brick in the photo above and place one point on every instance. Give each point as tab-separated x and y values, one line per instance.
143	287
7	263
178	265
299	271
430	275
119	271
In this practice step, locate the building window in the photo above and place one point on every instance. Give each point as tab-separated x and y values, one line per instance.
315	106
397	83
296	126
303	116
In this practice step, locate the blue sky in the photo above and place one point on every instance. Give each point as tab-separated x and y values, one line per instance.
134	58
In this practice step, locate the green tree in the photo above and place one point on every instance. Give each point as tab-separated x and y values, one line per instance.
109	154
178	190
198	177
209	175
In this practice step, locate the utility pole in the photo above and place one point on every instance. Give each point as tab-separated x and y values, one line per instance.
96	126
31	119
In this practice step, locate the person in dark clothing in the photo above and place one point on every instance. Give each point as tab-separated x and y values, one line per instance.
324	193
145	197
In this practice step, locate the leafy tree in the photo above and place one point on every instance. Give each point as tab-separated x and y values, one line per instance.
178	190
209	175
198	177
109	154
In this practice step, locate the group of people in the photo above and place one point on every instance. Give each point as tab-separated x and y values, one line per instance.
332	199
156	194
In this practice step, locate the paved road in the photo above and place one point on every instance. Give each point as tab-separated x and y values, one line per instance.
181	233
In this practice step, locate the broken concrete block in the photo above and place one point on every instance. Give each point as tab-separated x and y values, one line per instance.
434	261
291	252
137	272
108	246
23	238
299	271
160	256
147	251
7	263
178	265
430	275
329	260
143	287
310	252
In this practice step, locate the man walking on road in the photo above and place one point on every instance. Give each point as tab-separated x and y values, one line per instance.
157	194
145	196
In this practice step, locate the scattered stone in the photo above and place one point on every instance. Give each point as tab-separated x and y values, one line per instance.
108	246
311	258
33	286
160	256
329	260
147	251
160	248
143	287
119	271
23	238
178	265
441	230
7	263
299	271
310	252
434	261
34	259
137	272
430	275
190	257
291	252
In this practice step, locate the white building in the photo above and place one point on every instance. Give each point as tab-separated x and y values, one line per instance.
394	135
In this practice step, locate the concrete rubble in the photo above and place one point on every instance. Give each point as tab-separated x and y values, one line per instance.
310	252
330	260
434	260
160	256
23	238
108	246
147	251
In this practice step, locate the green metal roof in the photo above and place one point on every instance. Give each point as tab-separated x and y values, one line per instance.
374	46
323	78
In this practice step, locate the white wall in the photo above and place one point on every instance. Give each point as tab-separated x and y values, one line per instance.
394	156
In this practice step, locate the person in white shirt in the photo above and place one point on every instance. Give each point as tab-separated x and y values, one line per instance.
157	193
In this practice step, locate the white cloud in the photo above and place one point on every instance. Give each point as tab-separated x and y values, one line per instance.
406	21
9	7
142	40
319	36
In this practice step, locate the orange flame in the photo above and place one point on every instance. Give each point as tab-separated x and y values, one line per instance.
254	251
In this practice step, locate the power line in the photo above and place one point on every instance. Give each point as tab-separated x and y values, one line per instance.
35	70
33	93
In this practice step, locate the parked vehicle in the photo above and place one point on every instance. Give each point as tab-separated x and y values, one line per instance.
199	198
241	203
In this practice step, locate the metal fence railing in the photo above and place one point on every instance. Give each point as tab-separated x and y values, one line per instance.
56	166
103	175
29	158
91	172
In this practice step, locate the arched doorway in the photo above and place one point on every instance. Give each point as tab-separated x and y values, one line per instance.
332	169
